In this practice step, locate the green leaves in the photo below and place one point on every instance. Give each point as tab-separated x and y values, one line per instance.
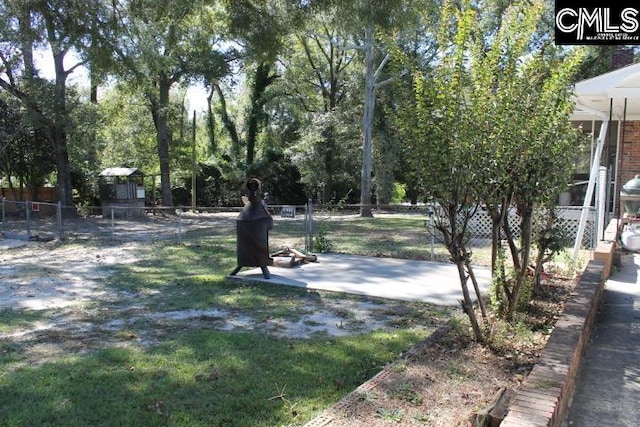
491	124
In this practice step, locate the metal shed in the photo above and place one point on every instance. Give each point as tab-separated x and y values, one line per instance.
122	192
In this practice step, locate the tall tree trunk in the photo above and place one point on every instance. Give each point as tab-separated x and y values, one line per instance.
385	160
467	303
522	269
367	125
498	214
454	234
261	82
93	96
163	138
211	123
254	113
511	242
229	125
327	189
476	287
65	190
27	46
544	251
496	220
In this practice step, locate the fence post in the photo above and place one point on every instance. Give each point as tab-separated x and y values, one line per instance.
27	216
180	224
113	235
59	219
308	222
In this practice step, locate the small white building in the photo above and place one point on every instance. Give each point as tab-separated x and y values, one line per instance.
122	191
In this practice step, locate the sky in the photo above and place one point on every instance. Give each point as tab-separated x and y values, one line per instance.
196	98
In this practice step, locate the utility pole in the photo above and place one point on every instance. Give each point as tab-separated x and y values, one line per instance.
193	164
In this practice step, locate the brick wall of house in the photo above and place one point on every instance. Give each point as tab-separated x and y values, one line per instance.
629	152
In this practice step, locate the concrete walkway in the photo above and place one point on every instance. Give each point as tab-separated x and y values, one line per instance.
405	280
607	390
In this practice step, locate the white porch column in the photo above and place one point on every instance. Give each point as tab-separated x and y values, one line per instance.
593	174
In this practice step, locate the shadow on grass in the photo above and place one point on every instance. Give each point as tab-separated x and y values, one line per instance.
194	375
199	378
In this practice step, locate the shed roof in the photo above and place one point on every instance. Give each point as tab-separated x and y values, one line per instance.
599	97
120	172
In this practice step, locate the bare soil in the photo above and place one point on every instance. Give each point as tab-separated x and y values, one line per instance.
441	383
65	287
449	378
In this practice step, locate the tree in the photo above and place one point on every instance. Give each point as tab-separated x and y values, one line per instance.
415	53
438	133
85	150
492	127
366	20
256	117
61	27
413	48
24	150
318	81
156	45
370	85
599	60
324	154
522	94
258	29
126	136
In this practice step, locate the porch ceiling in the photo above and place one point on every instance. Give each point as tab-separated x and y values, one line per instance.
598	96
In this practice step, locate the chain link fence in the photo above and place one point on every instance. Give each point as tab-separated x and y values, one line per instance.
312	227
412	226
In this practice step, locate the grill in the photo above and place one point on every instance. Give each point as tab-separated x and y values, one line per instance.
252	232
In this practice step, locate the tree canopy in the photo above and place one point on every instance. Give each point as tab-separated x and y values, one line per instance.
315	92
489	129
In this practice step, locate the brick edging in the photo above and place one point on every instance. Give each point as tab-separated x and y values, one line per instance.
543	398
329	414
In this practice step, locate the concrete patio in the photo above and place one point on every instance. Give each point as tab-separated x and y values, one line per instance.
397	279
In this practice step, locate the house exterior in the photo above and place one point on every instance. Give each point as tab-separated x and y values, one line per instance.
608	108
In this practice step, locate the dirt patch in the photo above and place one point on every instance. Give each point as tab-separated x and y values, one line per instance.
67	284
40	276
442	384
448	378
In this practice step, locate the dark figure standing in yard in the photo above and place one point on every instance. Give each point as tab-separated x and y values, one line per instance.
252	228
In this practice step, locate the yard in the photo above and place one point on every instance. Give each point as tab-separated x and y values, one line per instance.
151	333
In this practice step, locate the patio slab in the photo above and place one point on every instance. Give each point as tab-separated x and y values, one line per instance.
397	279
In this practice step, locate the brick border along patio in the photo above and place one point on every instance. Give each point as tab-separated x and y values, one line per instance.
543	398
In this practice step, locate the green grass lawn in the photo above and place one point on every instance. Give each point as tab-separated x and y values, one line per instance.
396	236
197	378
195	374
192	372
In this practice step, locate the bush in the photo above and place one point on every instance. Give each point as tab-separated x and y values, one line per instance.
399	192
321	242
